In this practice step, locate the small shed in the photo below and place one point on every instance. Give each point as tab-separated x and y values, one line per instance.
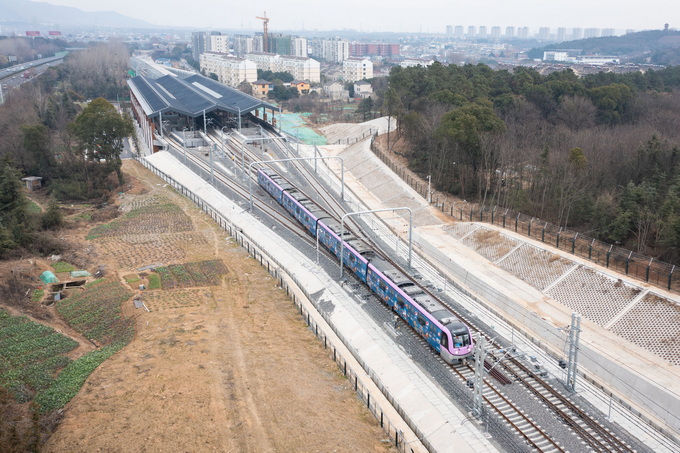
49	277
32	182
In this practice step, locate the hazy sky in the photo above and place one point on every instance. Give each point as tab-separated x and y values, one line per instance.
393	15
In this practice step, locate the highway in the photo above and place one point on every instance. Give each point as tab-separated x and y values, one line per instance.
12	77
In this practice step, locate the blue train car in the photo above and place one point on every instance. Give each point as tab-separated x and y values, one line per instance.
299	206
272	183
356	252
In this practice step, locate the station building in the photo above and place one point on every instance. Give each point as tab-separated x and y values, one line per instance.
183	107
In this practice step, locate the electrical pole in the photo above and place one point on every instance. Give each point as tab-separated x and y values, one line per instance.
572	363
212	166
480	356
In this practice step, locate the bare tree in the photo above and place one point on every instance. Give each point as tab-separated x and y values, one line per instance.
576	112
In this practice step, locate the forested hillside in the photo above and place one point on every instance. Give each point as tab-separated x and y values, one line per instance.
652	46
597	154
47	130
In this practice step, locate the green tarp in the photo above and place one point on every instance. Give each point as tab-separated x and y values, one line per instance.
49	277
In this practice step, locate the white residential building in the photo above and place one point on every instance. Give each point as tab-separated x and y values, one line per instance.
219	44
302	68
557	55
335	50
357	68
336	92
363	89
298	47
245	44
229	70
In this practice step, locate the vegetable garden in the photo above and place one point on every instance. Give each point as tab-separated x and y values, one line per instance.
200	273
95	313
164	217
30	355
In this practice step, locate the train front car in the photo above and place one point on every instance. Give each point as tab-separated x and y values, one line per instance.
461	345
445	333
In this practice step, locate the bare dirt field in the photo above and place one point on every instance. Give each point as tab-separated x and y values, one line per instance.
226	368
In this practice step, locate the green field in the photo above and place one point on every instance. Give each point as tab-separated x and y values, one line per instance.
200	273
32	361
30	355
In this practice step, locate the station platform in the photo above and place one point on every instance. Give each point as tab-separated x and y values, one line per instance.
630	331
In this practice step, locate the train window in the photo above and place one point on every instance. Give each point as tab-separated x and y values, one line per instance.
382	285
444	340
422	321
460	339
401	303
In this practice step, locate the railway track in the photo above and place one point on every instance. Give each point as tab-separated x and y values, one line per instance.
586	427
591	432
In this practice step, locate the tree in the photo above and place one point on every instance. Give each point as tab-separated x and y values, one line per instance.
100	131
365	107
37	146
465	129
392	104
245	87
612	102
14	225
576	112
52	218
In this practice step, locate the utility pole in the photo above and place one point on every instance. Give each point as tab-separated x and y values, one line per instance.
212	165
572	362
480	356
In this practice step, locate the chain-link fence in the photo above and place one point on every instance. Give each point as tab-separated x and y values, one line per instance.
619	259
357	377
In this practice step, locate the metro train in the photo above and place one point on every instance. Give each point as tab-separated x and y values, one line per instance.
442	330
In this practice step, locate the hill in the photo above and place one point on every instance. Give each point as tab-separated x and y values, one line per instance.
36	14
652	46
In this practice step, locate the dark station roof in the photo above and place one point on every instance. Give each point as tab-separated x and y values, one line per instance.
191	96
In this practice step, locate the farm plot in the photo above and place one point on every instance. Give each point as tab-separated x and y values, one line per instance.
30	355
96	312
160	218
200	273
176	298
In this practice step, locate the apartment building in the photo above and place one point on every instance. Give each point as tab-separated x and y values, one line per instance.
357	68
302	68
373	49
245	44
219	44
298	47
335	50
229	70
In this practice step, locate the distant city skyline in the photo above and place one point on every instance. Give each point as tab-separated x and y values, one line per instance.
428	16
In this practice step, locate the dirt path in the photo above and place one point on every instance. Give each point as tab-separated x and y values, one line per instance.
229	368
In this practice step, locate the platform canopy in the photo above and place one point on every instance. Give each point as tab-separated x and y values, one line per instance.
192	96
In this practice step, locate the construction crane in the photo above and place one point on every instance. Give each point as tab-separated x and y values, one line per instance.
265	38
